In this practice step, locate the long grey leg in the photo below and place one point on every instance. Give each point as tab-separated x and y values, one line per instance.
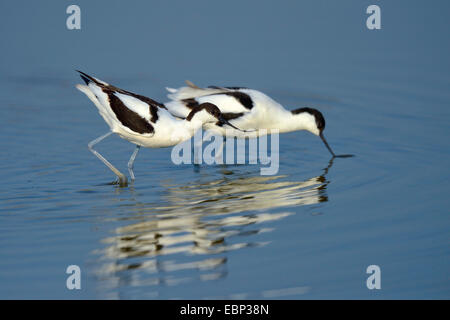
131	162
122	178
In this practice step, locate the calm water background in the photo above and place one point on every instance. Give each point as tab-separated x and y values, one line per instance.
227	232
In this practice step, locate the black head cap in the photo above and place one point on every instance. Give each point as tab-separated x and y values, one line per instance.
320	120
212	109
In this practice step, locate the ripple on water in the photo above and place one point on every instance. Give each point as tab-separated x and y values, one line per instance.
189	234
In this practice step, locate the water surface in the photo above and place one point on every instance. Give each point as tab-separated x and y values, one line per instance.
205	232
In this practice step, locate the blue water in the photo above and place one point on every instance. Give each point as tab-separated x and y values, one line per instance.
227	232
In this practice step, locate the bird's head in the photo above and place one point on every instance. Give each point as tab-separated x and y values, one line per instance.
314	122
209	113
311	120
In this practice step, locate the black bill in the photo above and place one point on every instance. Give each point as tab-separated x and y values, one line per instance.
331	151
223	121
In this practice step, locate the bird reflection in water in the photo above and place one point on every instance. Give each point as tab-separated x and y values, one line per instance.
200	222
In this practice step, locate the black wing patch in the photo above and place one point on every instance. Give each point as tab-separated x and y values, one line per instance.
190	103
127	117
153	105
243	99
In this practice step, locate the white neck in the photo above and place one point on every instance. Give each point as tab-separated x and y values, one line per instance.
288	122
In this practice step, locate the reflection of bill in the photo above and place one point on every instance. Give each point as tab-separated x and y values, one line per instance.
209	148
202	219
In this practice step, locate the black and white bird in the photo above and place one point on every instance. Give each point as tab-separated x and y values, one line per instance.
246	109
142	120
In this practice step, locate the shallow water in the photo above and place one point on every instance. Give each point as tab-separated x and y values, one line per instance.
225	231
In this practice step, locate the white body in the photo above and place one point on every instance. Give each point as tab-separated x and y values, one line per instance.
168	130
265	113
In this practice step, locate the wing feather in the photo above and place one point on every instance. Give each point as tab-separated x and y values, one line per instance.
193	91
135	112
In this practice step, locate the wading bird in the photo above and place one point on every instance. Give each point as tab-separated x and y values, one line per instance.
246	109
142	120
